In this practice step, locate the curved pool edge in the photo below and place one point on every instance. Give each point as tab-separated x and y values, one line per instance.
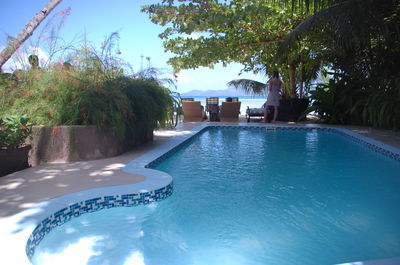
18	228
15	230
156	186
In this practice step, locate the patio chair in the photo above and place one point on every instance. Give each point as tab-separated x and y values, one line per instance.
193	111
212	108
232	99
230	111
259	112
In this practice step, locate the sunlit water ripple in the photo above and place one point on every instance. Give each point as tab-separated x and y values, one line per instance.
249	197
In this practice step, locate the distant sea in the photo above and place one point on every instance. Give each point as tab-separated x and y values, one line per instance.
251	102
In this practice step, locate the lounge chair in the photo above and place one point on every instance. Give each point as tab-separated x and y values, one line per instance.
259	112
230	111
254	112
193	111
212	108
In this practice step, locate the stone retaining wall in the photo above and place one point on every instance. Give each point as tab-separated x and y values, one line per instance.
74	143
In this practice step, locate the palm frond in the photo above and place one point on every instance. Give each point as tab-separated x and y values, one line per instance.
344	21
305	5
250	87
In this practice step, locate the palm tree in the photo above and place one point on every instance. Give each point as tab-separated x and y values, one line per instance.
250	87
360	41
321	9
346	23
16	42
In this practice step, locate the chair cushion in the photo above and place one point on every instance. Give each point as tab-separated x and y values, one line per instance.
254	111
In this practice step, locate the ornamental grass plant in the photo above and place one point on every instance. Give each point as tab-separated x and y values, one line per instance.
92	89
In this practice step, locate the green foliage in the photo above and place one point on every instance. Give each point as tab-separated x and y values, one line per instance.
150	102
250	87
361	40
91	89
204	33
347	101
14	129
33	60
323	102
76	96
346	24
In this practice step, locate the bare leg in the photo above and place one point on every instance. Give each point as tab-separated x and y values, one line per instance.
275	113
265	114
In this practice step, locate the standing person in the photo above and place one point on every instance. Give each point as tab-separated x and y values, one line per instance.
274	87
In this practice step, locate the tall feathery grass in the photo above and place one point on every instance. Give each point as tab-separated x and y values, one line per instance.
91	89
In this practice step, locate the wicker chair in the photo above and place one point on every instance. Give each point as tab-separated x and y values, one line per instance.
230	111
193	111
212	108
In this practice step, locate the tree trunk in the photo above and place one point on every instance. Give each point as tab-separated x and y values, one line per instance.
16	42
292	78
301	81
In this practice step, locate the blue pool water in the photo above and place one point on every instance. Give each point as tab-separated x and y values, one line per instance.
249	197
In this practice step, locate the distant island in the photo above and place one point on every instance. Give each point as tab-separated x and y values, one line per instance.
229	92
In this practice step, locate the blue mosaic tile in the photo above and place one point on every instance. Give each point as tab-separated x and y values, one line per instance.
373	147
75	210
129	200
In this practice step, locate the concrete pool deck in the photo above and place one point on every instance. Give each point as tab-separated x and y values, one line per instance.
23	190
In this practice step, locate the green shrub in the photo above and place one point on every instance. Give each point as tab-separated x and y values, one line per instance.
14	130
83	95
350	100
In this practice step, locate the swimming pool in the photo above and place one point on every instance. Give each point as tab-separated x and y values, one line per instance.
250	196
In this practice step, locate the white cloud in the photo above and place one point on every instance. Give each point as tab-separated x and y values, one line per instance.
136	258
185	77
19	60
204	78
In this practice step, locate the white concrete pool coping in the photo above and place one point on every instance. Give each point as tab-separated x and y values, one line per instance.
16	229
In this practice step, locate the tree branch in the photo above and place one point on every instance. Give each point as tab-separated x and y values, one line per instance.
263	42
16	42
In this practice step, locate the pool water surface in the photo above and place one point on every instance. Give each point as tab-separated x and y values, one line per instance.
249	197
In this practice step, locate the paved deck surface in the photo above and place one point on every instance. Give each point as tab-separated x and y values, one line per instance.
23	189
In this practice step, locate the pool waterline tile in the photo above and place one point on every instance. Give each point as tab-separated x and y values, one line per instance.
371	144
75	210
150	160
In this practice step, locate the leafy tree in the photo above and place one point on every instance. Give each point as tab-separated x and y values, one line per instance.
360	40
204	33
357	39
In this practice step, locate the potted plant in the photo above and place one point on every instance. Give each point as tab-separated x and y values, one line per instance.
14	130
291	109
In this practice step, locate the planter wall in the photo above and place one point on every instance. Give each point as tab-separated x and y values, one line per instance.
12	160
74	143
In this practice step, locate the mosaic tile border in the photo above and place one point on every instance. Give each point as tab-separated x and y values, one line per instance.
343	132
172	151
128	200
374	147
75	210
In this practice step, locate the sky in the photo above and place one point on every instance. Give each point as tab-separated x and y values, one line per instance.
139	39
